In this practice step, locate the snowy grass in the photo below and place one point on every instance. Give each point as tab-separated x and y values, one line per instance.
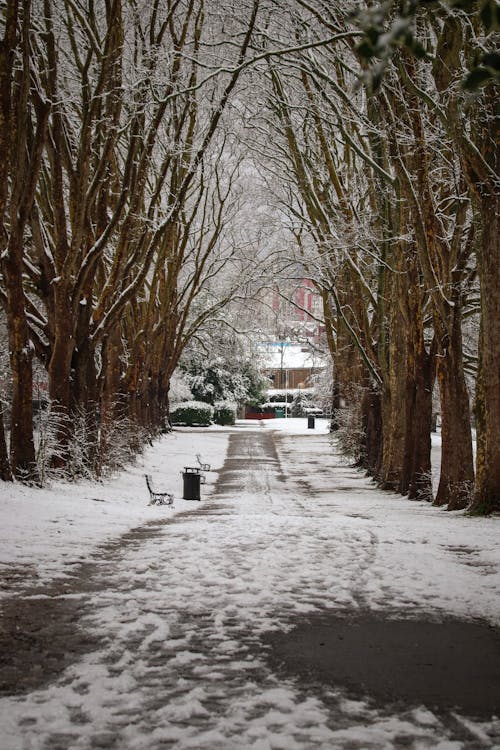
45	530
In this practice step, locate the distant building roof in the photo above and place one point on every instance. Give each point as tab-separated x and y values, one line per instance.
275	355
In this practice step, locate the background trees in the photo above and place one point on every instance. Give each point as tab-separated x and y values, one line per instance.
380	179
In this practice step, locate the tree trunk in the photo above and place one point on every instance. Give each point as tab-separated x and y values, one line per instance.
393	417
372	425
335	404
111	405
21	146
84	404
84	386
487	491
59	373
417	466
456	480
416	477
22	446
394	400
152	400
483	129
163	389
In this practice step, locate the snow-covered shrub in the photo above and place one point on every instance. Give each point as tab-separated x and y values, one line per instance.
350	435
90	452
78	459
72	461
276	396
224	413
424	486
323	384
121	441
50	422
191	413
300	404
216	378
179	388
84	447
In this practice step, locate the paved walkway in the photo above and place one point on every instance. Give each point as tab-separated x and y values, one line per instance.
166	640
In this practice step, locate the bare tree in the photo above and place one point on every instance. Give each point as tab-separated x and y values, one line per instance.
23	123
335	156
138	95
465	103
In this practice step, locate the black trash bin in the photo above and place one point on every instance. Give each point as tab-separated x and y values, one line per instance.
310	423
191	481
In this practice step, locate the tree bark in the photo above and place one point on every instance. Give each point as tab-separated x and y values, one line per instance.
59	373
372	425
457	467
442	258
487	492
21	146
476	140
22	446
416	476
394	399
84	387
112	406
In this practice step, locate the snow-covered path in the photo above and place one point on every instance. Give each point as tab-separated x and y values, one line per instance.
180	612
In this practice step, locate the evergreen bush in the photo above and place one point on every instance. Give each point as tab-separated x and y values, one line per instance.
191	413
299	405
224	413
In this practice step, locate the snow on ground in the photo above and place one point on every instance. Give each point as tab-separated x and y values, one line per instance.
45	530
286	533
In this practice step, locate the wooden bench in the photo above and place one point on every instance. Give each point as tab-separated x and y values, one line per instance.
158	498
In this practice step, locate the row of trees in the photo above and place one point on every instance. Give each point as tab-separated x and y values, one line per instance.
118	192
123	129
391	191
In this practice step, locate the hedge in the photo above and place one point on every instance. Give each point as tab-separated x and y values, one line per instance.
191	413
224	413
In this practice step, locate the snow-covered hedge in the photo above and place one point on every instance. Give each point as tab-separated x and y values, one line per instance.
191	413
224	412
350	432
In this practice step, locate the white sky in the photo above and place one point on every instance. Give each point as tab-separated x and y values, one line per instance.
183	612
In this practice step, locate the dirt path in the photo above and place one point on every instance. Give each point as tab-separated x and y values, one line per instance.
211	630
